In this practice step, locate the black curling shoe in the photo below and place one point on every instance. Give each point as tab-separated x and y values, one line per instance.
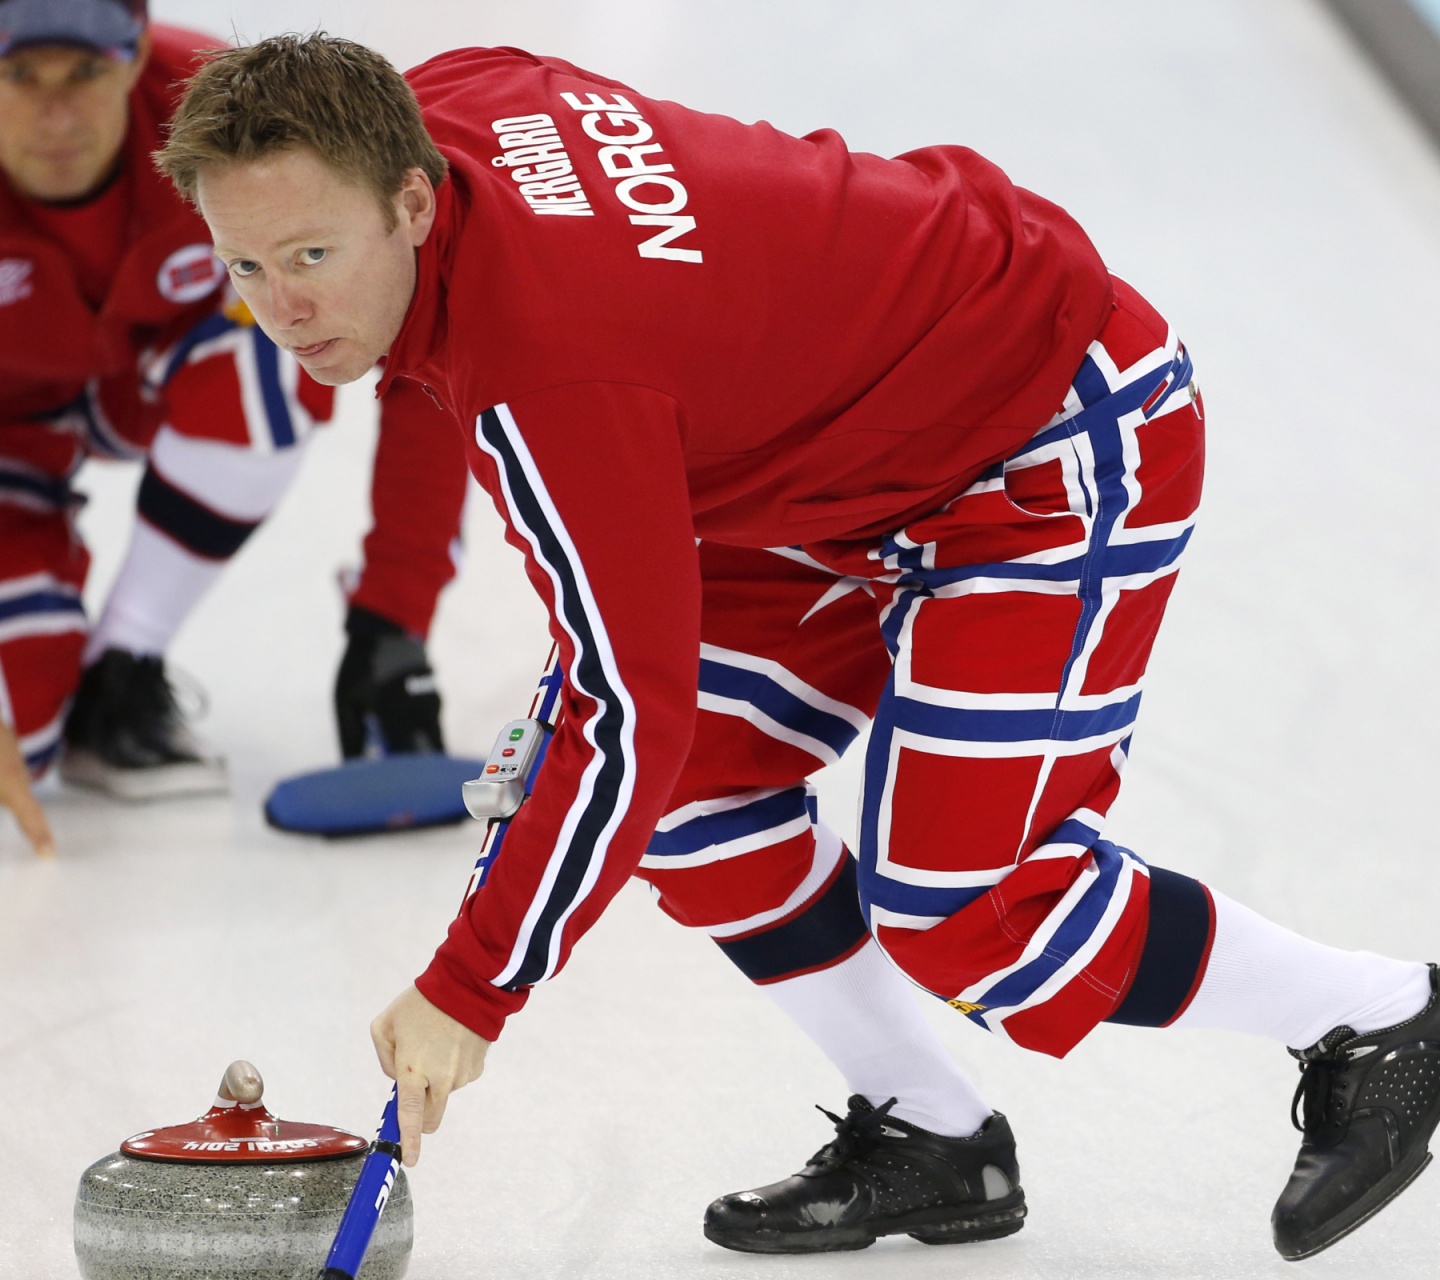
125	734
880	1176
1371	1103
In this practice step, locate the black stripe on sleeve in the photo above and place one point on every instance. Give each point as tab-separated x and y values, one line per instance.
590	676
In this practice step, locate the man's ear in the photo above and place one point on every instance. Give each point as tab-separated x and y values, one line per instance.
417	205
142	56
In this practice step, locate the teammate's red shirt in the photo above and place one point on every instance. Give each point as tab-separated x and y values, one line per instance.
68	316
417	497
657	325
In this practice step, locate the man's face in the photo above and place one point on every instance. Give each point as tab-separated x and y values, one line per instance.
312	257
63	115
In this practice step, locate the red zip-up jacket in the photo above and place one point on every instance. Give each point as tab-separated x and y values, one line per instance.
417	498
53	343
655	325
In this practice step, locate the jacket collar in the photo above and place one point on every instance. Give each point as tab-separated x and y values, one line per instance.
424	329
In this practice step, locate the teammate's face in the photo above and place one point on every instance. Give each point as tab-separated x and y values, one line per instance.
312	257
63	115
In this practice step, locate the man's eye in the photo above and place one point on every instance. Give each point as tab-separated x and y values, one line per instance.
243	267
311	256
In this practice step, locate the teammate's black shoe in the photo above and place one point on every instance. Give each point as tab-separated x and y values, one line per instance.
1371	1104
125	735
880	1176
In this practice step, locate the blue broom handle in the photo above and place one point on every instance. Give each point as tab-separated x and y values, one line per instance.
367	1200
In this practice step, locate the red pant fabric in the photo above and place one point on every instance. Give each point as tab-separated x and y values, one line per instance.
790	671
1020	620
42	622
1000	645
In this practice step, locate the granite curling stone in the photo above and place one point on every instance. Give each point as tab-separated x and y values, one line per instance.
234	1195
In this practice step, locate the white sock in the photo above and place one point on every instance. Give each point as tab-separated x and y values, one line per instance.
864	1017
1266	980
235	480
161	582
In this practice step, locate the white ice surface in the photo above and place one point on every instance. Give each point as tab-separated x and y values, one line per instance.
1241	164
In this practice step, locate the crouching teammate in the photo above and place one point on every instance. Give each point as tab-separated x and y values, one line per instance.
118	338
916	381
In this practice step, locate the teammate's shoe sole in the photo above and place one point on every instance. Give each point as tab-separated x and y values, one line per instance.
84	768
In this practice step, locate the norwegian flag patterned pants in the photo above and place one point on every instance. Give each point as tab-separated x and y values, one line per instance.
217	417
999	646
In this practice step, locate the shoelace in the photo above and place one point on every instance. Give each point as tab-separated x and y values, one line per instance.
854	1132
1322	1087
161	696
1322	1084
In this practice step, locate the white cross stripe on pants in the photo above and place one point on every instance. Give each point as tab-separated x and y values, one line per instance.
777	702
706	831
39	604
1020	628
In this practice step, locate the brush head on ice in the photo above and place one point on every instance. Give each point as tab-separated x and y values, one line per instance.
369	797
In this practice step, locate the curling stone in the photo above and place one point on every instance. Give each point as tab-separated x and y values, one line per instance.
234	1195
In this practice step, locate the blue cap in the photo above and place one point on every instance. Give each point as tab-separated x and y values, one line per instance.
112	26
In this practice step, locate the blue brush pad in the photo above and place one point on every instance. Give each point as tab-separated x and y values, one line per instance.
368	797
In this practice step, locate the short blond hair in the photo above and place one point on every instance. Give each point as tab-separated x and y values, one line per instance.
343	101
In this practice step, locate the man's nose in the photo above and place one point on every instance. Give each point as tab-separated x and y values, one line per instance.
58	115
288	304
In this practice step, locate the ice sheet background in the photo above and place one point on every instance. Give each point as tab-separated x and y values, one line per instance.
1243	166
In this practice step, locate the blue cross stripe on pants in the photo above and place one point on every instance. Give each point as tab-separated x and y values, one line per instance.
1102	433
711	830
830	732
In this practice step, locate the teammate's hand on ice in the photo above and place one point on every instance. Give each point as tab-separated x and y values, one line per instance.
429	1055
385	689
15	795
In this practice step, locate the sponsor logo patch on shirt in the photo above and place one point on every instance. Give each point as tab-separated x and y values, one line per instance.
531	149
189	274
15	284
